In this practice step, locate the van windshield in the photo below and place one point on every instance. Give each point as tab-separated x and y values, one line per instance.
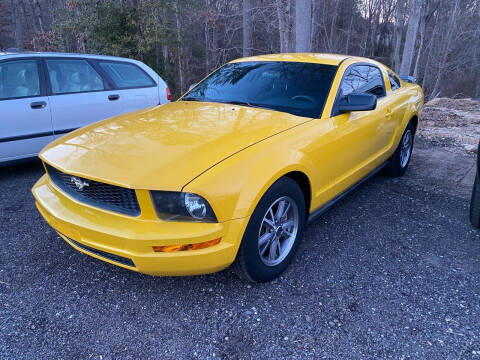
297	88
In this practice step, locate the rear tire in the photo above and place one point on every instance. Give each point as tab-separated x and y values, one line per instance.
475	203
401	158
273	233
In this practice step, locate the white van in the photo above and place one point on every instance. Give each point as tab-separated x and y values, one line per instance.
45	95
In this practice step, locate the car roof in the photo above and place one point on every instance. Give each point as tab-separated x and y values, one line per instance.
8	55
319	58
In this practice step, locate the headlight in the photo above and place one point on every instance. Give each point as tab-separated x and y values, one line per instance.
179	206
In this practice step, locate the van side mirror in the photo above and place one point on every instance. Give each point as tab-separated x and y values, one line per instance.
357	102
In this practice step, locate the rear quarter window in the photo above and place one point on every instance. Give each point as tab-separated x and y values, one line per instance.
394	81
126	75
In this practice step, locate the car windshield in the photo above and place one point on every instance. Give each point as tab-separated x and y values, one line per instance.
297	88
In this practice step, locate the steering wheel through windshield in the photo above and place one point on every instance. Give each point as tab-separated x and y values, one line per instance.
304	97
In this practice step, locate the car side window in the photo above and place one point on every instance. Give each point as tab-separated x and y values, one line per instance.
126	75
394	81
19	79
363	79
73	76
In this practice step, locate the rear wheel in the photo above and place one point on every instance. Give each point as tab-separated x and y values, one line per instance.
475	203
401	158
273	233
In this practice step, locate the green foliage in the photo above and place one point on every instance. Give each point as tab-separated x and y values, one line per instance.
137	30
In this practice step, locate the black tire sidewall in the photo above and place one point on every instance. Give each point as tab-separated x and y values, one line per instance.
475	203
253	265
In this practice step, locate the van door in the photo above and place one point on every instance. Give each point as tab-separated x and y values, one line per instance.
79	94
136	87
25	121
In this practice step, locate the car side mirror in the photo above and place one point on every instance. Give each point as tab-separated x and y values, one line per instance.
357	102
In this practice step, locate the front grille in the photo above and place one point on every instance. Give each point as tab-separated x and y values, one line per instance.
105	196
106	255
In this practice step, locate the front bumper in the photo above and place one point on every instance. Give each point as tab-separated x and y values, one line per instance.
128	241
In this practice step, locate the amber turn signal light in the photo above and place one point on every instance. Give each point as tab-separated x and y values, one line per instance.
173	248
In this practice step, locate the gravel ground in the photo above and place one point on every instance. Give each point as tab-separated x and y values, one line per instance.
391	272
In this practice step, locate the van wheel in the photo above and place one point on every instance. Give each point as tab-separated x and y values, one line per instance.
273	233
401	158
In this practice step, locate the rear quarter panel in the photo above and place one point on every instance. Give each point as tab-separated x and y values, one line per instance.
413	98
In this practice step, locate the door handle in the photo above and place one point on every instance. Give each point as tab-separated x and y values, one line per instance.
38	104
113	97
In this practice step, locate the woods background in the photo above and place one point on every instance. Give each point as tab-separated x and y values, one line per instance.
437	41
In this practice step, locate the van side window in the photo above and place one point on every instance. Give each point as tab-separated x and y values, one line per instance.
73	76
19	79
363	79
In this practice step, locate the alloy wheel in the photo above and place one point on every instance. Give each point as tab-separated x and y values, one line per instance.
278	231
406	148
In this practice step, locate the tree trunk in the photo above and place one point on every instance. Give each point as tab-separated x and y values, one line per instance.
422	39
303	20
247	27
165	56
409	47
290	26
398	34
38	20
349	35
17	18
282	25
446	47
428	65
331	36
180	66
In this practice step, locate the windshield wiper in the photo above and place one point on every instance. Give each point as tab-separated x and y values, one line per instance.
193	99
235	102
248	103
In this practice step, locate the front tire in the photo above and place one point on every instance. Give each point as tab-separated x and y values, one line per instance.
475	203
273	233
401	158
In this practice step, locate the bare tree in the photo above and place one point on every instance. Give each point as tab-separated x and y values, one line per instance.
247	27
18	20
303	21
186	39
282	14
180	60
411	37
399	24
446	45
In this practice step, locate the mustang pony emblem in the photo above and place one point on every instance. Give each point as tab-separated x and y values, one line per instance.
79	183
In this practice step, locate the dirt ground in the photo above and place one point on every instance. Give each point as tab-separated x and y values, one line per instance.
452	123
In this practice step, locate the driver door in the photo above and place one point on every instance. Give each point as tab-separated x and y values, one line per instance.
360	135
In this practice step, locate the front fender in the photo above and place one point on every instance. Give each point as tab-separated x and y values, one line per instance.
235	186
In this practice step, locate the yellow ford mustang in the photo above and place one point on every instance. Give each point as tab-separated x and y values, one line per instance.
233	171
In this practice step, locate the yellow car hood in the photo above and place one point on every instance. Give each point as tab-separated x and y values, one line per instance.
165	147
